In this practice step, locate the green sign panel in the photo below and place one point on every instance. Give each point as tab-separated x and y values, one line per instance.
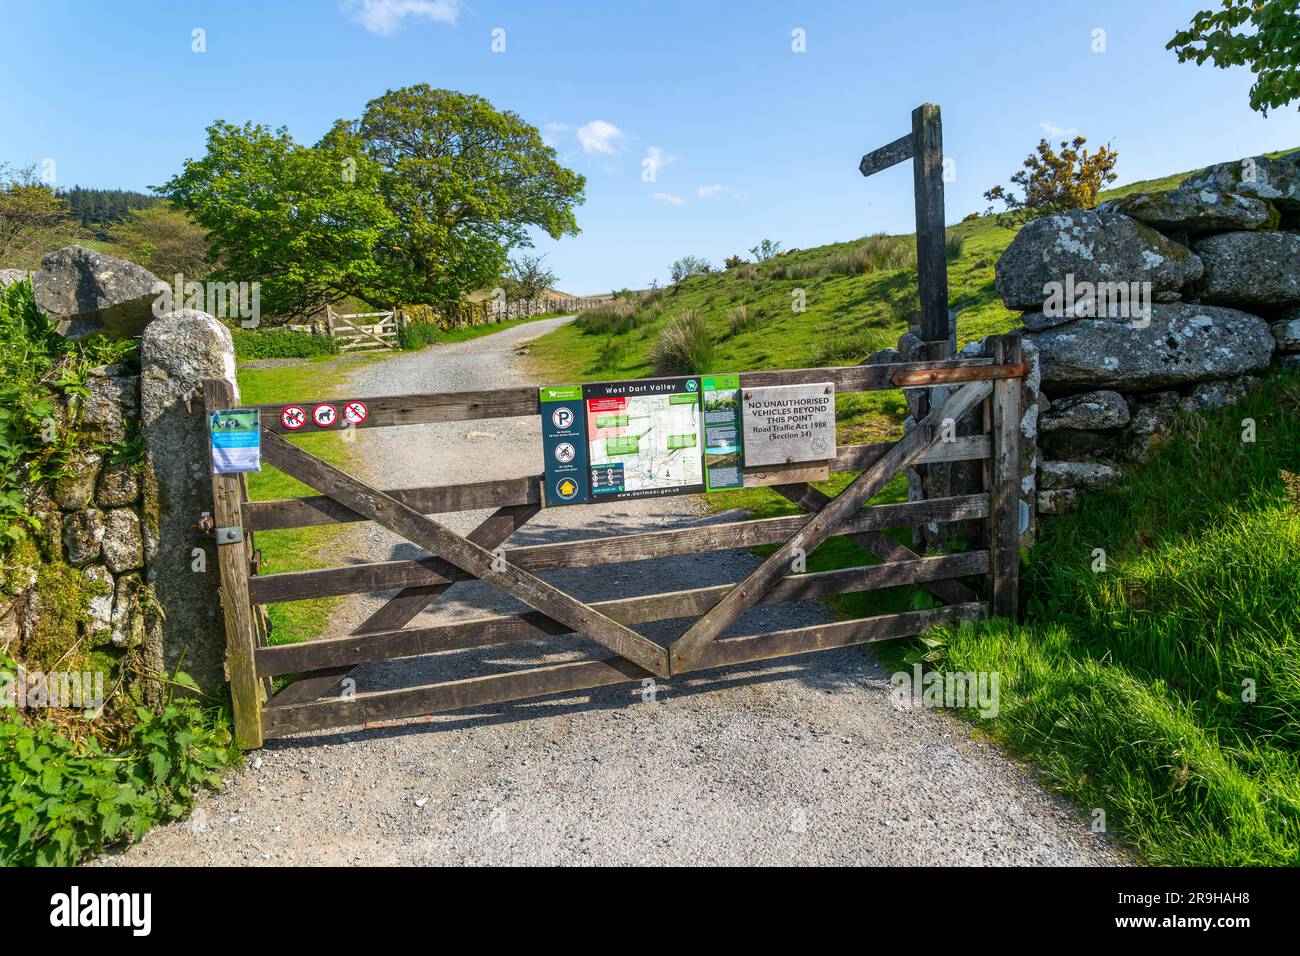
611	441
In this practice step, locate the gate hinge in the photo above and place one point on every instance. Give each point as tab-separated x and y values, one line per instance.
229	535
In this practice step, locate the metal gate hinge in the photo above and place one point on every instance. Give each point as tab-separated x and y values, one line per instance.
229	535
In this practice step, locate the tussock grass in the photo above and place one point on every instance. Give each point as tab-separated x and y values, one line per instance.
684	347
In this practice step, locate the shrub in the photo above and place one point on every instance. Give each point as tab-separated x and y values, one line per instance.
1053	182
612	318
741	320
688	266
413	336
733	262
281	343
685	346
61	801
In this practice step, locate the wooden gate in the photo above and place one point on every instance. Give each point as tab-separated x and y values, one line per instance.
312	702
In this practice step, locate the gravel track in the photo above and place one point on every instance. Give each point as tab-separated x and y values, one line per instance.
798	761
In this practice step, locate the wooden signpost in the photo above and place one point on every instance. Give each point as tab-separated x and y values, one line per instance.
924	146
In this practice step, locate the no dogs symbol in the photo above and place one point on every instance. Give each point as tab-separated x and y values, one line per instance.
293	418
355	412
324	415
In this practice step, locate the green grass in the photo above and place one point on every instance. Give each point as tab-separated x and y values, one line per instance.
299	549
1126	686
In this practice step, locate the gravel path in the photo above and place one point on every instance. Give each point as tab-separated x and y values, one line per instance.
800	761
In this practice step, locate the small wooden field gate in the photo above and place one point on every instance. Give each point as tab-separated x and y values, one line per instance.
312	701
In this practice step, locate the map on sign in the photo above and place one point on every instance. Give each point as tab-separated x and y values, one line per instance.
644	438
609	441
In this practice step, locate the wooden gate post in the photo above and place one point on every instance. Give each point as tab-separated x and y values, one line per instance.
246	690
1004	486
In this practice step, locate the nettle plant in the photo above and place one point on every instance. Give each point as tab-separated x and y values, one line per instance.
63	799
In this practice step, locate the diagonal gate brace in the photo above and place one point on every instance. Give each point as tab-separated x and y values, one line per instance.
469	557
820	526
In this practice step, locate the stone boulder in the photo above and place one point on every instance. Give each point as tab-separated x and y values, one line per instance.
1275	180
1077	474
77	488
112	402
123	545
1183	343
1091	247
1250	268
89	293
1089	411
83	532
1287	333
1196	210
178	352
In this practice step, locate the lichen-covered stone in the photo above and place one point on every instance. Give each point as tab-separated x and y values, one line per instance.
83	533
77	489
1217	394
1196	210
1152	423
114	400
1275	180
1287	334
1183	343
1250	268
119	485
1057	501
1076	474
126	610
122	543
1091	247
1075	444
1090	410
179	351
99	587
89	293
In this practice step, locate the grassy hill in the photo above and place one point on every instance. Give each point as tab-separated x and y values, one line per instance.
1163	691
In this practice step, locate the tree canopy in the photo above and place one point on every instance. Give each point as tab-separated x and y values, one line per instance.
419	200
1261	34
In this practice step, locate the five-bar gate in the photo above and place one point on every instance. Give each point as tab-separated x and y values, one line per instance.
312	702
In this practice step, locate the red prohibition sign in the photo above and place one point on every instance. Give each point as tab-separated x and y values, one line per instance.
355	412
293	417
324	415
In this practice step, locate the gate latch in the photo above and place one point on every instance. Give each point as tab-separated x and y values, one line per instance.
229	535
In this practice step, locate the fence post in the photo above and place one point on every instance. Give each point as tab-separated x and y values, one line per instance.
246	690
1004	489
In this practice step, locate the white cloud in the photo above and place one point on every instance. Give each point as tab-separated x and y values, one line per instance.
657	159
1058	132
386	16
670	199
601	137
716	191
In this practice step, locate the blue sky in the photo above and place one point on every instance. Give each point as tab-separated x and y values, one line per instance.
750	139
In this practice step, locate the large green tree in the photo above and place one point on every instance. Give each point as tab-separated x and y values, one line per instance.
419	201
305	222
466	182
1261	34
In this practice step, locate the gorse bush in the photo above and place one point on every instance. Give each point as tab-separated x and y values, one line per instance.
281	343
685	346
